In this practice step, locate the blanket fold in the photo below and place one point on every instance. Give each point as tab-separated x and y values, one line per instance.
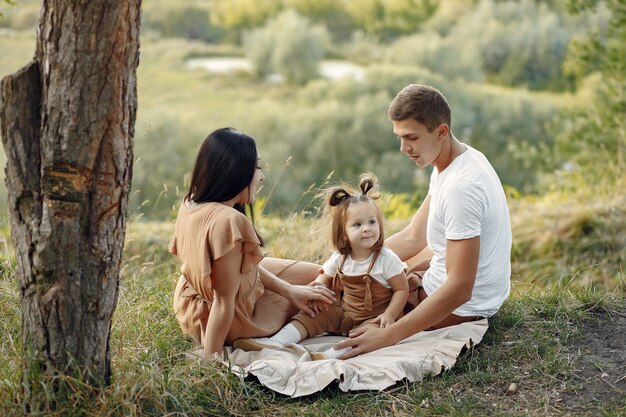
291	372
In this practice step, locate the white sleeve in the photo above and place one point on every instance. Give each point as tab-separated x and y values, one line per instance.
332	264
392	265
463	209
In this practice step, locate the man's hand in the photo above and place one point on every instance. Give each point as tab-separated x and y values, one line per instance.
366	340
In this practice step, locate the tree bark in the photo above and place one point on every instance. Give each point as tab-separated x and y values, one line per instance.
67	124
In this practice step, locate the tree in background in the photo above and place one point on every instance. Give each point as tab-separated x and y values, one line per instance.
594	142
186	21
514	43
243	14
330	13
67	124
389	19
287	45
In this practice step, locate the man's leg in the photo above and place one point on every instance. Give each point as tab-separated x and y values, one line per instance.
451	319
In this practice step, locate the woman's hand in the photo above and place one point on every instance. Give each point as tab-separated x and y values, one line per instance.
324	281
365	340
311	299
385	319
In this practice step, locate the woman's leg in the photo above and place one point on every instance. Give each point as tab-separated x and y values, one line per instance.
299	328
294	272
273	310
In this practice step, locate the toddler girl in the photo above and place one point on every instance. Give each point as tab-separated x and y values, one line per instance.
371	276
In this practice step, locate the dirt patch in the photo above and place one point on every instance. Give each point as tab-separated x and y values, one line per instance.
598	377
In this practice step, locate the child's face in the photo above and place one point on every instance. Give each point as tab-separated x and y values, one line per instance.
362	228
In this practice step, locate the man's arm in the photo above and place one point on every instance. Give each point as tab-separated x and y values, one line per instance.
461	266
412	239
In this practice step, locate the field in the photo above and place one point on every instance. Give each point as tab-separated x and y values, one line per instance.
559	337
557	345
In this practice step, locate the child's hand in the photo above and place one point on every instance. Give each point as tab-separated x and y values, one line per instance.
322	282
385	320
319	306
305	296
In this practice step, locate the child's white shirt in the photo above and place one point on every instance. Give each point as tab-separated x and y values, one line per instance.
388	265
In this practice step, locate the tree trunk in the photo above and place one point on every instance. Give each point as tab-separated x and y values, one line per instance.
67	124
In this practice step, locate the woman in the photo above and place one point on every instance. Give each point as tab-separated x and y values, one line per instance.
222	293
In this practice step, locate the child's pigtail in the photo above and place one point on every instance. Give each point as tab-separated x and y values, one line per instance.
369	185
336	196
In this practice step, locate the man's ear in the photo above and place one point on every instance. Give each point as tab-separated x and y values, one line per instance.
443	129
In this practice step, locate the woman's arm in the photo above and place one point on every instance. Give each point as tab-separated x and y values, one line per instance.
225	280
299	295
325	281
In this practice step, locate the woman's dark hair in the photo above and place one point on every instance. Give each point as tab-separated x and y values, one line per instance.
225	166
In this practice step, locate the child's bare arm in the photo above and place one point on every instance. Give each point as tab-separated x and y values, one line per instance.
322	279
400	287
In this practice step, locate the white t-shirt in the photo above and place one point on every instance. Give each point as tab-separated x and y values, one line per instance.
388	265
467	200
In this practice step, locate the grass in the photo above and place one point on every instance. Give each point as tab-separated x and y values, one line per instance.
528	343
568	279
532	342
570	239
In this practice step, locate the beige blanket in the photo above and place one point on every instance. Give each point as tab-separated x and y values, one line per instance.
290	370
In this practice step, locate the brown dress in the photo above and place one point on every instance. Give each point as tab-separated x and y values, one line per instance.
206	232
363	300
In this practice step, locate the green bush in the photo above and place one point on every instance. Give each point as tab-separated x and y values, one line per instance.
508	42
593	143
341	127
362	49
441	55
287	45
389	19
330	13
156	185
190	22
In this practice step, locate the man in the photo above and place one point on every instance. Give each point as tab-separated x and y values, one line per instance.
464	220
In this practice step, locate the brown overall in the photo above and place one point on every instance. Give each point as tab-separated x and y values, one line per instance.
363	300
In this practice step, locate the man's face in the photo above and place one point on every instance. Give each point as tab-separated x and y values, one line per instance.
416	142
